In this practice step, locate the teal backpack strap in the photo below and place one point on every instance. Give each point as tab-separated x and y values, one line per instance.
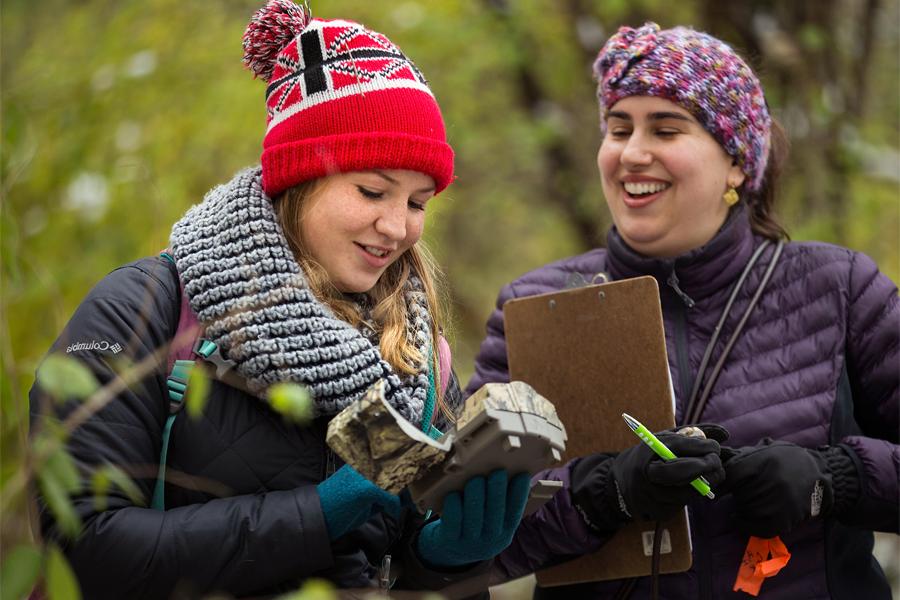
159	490
177	383
181	362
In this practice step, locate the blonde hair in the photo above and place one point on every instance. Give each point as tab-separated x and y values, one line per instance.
389	312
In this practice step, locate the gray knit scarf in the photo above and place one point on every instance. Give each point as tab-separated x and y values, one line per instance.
254	302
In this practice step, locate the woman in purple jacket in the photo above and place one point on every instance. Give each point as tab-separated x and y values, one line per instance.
792	347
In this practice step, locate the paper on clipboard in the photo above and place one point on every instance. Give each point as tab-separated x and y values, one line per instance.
596	352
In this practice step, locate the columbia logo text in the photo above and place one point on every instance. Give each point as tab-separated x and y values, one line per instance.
102	346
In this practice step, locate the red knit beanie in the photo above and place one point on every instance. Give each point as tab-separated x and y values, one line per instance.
340	98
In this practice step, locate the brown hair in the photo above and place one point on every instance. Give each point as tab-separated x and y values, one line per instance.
389	311
761	204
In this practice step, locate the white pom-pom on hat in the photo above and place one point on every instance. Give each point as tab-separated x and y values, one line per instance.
271	28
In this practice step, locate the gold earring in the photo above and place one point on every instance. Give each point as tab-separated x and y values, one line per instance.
731	197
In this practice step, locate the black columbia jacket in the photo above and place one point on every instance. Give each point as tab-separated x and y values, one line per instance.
243	515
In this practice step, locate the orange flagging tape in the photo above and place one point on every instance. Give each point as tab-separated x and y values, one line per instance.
762	558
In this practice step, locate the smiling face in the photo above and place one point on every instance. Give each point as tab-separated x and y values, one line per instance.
357	224
663	176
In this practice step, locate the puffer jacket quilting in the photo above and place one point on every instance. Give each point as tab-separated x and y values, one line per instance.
243	515
816	364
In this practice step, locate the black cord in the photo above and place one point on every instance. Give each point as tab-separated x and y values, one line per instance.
701	404
625	590
689	407
654	561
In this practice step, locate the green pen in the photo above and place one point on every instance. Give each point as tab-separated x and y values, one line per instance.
700	484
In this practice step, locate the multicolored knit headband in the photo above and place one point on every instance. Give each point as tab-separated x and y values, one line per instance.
701	74
340	98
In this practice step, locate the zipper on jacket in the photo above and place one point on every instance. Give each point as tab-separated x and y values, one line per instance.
673	283
384	574
685	377
329	464
686	381
703	564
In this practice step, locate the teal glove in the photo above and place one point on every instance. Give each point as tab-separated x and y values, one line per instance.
348	500
479	524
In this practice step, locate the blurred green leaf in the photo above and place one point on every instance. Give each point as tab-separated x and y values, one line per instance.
292	400
51	435
108	475
61	506
19	571
197	392
57	479
61	581
64	377
313	589
100	486
61	467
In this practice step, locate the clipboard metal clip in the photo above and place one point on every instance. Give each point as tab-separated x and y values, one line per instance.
577	280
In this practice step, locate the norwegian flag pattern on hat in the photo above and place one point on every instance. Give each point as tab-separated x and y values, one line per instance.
340	98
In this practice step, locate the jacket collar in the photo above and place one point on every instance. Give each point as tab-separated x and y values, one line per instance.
697	273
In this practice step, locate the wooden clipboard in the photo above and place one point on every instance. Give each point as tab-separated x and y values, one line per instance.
596	352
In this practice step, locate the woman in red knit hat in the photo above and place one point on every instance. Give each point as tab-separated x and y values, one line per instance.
306	269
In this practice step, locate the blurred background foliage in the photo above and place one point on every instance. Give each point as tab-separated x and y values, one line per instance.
117	115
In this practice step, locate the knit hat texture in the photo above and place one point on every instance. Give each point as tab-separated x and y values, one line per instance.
701	74
255	304
340	98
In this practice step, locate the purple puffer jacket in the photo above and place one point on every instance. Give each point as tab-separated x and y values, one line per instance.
816	364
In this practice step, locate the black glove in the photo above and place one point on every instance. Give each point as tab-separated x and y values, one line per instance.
611	489
779	485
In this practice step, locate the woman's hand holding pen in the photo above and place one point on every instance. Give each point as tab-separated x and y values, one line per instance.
612	489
